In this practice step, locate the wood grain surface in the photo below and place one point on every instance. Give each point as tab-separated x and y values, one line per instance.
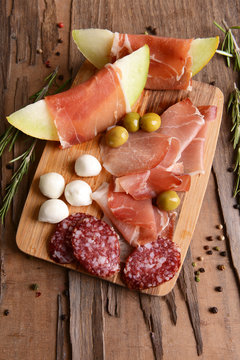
108	321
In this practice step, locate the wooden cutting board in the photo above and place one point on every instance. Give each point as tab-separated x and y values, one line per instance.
32	235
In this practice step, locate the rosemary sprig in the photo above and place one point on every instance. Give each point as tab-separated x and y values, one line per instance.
234	107
26	158
9	136
11	189
229	48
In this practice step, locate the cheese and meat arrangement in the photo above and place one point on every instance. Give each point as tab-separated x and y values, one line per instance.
151	158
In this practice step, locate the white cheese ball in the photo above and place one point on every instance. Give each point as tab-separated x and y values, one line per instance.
78	193
52	185
87	165
53	211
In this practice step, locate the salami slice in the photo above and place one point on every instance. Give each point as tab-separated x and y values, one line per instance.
60	246
96	247
152	264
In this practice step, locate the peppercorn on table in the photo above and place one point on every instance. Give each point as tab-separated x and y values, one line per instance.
49	312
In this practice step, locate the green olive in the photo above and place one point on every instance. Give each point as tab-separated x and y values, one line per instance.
168	200
116	136
131	121
150	122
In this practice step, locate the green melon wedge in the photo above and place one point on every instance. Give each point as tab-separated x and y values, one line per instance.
35	119
95	45
202	50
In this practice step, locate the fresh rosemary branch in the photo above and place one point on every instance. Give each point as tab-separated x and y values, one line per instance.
9	136
234	107
27	157
229	48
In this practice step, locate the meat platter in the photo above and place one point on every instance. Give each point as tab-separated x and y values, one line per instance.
32	236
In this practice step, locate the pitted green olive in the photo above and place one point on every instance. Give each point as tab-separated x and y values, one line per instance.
131	121
116	136
150	122
168	200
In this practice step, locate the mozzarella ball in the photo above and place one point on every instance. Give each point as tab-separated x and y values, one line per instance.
78	193
53	211
52	185
87	165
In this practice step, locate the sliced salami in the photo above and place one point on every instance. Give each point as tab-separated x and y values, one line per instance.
152	264
96	247
60	246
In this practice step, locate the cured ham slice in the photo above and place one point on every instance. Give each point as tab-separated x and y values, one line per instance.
148	184
135	235
172	155
142	151
183	121
129	232
208	111
192	156
83	111
170	62
127	209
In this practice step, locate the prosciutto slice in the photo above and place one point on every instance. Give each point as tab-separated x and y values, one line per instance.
170	62
182	120
135	235
85	110
138	213
142	151
192	156
148	184
129	232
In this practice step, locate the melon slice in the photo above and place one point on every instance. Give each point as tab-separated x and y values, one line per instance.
35	119
201	51
95	45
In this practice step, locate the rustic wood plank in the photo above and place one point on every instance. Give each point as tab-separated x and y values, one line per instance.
5	55
2	273
224	153
60	331
151	308
113	300
189	290
24	22
5	60
49	32
170	300
225	181
21	98
86	318
75	57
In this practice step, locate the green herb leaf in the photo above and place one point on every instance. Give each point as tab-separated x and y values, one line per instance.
231	50
229	47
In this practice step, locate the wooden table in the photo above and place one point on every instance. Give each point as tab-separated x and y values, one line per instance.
103	321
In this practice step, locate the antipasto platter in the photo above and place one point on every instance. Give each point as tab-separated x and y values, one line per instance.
33	236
